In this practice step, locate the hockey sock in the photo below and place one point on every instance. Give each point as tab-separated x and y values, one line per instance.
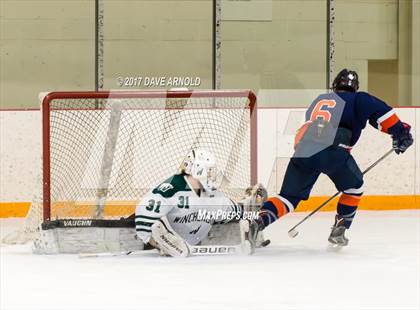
274	208
347	206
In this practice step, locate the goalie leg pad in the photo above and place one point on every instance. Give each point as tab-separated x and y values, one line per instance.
168	241
247	240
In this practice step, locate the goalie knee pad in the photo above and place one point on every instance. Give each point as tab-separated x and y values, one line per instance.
168	241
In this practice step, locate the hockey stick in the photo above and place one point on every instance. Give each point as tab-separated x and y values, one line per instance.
199	250
293	232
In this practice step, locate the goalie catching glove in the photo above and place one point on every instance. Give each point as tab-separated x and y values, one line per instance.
254	198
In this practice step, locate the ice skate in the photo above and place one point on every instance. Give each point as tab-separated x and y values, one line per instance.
337	238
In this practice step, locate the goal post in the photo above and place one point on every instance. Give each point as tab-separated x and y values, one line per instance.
103	151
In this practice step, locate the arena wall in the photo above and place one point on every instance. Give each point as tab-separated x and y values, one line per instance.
394	184
265	44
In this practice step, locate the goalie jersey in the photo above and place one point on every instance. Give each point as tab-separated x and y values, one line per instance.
190	214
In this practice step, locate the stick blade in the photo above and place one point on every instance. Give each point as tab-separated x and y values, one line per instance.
293	233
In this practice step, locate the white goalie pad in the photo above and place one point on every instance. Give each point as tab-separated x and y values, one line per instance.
226	234
86	240
168	241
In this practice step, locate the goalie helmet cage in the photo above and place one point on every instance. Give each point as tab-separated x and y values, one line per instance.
102	151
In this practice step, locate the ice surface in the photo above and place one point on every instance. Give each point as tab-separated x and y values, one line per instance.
379	270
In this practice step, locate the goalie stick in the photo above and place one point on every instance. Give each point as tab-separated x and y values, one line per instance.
198	250
293	232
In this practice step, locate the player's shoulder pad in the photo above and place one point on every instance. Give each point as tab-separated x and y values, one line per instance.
171	186
363	95
361	92
367	99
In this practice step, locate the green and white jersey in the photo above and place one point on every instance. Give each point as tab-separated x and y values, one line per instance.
191	215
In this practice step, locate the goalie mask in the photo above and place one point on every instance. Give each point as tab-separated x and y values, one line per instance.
201	165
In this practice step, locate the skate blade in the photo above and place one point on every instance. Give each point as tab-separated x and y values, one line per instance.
263	244
334	247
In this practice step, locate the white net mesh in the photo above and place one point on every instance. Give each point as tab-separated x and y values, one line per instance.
106	153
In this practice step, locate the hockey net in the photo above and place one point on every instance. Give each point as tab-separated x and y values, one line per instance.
102	151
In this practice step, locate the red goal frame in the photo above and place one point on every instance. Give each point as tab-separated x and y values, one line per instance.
175	94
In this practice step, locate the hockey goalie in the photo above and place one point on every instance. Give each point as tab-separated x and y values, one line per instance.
174	216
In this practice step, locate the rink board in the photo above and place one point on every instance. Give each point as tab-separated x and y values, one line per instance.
113	209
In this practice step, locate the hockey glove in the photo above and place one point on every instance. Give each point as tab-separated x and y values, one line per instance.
402	141
254	197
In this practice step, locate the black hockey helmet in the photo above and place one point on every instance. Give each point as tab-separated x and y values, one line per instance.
346	80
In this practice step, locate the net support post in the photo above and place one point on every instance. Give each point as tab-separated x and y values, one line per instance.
330	43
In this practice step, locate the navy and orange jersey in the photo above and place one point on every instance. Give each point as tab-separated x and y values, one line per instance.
352	110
